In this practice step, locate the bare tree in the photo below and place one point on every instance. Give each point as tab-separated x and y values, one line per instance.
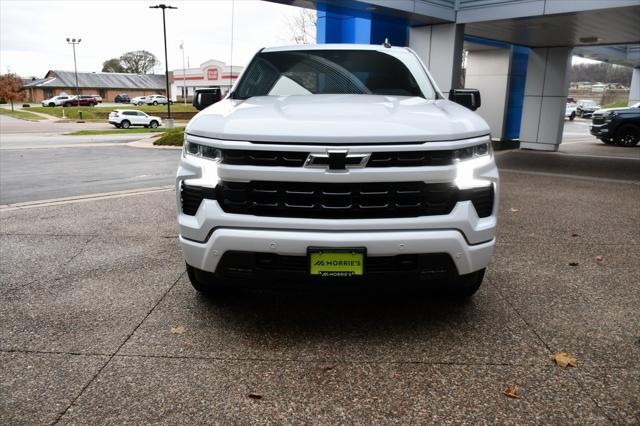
138	62
302	26
11	88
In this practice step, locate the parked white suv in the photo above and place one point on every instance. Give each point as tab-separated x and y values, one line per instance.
156	99
338	163
125	118
56	100
138	100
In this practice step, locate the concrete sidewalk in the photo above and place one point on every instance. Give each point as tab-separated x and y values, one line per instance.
100	325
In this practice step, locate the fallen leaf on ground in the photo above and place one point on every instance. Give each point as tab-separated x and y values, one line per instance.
514	210
573	263
562	359
599	258
178	329
512	392
575	235
255	396
328	367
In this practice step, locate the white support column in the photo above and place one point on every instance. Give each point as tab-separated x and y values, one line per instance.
545	98
489	72
440	48
634	94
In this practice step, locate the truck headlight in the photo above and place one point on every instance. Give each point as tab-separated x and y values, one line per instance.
467	161
471	152
202	151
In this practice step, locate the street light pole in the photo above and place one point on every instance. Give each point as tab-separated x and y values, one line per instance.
166	63
73	42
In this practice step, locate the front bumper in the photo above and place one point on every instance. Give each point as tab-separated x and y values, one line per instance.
600	130
467	258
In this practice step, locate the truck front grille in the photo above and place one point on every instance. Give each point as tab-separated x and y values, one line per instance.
239	157
337	201
598	119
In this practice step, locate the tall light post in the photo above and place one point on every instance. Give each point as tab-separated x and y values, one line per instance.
73	42
169	123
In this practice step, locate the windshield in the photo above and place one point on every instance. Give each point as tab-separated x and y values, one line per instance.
310	72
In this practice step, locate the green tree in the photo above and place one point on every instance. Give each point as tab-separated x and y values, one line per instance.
112	65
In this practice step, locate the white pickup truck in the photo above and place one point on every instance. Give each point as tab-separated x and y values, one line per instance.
338	164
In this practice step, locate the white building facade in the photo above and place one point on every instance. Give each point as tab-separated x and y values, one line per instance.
211	73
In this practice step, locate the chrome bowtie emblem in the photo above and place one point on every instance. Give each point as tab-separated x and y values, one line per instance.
337	160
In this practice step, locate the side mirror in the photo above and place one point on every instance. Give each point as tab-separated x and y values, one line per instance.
469	98
202	98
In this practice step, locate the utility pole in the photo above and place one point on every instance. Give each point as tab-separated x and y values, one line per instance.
169	123
73	42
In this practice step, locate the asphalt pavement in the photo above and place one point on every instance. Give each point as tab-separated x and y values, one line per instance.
100	324
51	165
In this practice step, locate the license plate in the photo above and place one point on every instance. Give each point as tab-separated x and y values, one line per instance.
336	262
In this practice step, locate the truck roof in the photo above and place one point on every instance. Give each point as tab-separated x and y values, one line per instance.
336	46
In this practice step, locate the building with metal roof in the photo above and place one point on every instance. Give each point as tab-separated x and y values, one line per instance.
105	84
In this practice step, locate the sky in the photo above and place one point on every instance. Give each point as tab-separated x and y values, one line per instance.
33	33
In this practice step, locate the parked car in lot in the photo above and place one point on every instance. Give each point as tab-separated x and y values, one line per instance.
97	98
82	100
371	177
125	118
56	100
619	126
586	107
570	111
122	98
156	99
138	100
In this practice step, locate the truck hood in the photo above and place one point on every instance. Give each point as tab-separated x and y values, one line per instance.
337	119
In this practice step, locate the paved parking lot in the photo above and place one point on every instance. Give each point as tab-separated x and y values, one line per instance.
100	324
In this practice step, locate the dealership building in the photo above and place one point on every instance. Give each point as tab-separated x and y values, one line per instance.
211	73
519	52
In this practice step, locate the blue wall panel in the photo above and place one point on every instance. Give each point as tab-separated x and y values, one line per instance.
344	25
517	81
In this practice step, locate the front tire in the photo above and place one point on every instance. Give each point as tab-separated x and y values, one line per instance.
153	124
155	103
572	116
51	104
464	286
206	282
125	124
628	135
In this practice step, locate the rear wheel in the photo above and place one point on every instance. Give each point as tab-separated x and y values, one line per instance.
125	124
628	135
153	124
464	286
206	282
155	102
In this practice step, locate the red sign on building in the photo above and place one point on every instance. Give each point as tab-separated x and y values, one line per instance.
212	73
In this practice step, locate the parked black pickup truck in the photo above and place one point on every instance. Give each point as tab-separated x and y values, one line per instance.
619	126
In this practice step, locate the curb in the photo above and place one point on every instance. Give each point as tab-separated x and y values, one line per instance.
148	143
